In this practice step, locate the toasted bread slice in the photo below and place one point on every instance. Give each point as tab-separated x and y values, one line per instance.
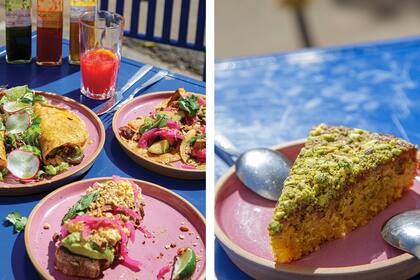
74	265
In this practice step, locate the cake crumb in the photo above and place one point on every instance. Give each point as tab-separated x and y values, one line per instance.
55	237
46	226
173	245
184	228
181	236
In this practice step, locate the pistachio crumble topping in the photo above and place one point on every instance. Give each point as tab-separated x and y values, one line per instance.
332	160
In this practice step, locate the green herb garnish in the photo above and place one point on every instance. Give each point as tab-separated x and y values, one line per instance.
149	123
189	104
195	138
81	206
17	220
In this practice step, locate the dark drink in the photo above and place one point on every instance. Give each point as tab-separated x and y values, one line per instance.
49	32
77	7
18	31
49	48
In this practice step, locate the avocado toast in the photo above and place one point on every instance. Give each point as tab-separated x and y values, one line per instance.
95	231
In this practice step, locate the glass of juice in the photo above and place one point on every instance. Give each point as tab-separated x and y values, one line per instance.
101	34
49	32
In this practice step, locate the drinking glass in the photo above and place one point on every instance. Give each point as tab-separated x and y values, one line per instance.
101	34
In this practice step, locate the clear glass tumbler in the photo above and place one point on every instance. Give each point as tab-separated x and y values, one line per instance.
101	34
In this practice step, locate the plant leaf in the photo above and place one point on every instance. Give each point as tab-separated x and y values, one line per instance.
81	205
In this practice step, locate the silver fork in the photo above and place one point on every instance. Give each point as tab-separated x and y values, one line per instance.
119	94
156	78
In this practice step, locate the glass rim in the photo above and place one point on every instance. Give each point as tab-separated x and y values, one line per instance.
103	11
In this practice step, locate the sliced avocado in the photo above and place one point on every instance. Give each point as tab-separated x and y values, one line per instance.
159	147
174	116
74	243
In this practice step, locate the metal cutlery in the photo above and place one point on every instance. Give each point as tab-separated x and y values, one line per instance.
119	94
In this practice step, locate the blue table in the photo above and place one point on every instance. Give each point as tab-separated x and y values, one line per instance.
65	80
268	100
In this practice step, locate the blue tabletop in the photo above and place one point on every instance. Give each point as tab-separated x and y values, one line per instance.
267	100
65	80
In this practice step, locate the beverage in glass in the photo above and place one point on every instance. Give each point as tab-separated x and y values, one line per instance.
77	8
18	31
101	35
49	32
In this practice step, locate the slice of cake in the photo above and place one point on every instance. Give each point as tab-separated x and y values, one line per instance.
341	179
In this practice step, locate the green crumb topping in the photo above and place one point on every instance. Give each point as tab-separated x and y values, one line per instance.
332	159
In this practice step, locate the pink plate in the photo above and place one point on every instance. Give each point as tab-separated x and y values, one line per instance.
165	212
241	226
96	142
142	106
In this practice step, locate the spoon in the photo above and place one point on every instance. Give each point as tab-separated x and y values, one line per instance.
262	170
403	232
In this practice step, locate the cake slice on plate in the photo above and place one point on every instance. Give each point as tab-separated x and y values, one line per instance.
340	180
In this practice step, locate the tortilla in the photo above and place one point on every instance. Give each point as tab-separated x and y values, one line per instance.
185	150
163	158
3	156
60	128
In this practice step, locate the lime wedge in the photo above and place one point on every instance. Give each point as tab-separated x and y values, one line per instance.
184	265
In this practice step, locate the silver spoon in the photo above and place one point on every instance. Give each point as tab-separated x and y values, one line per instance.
262	170
403	232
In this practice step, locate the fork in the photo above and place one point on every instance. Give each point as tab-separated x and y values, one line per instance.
156	78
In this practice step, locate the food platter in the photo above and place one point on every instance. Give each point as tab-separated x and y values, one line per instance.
142	106
94	145
164	212
241	227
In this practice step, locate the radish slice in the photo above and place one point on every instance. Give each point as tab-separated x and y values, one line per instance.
13	106
18	123
23	164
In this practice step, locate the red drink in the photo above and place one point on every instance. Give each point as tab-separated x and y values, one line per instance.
99	68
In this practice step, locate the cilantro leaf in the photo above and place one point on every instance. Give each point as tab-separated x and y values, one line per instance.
189	104
195	138
17	220
81	206
149	123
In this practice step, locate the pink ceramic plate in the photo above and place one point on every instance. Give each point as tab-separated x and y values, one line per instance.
96	142
241	226
165	212
142	106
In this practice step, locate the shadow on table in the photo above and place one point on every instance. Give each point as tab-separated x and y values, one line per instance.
11	200
88	102
121	159
32	74
21	264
